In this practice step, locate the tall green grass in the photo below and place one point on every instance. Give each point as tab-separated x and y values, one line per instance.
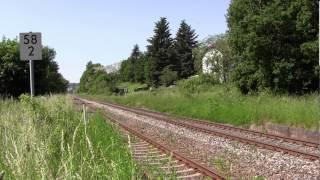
225	104
46	138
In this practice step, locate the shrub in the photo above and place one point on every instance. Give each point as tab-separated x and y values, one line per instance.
168	76
196	84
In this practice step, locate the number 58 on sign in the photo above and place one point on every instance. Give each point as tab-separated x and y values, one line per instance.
30	46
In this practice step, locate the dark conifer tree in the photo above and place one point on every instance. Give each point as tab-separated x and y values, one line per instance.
159	50
184	43
135	54
134	58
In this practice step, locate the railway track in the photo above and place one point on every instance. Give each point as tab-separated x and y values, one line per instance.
295	147
229	127
166	160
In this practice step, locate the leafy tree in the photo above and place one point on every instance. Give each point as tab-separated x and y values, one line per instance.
95	80
47	78
184	43
126	70
275	44
14	73
160	50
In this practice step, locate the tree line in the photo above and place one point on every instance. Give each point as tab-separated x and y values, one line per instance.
269	46
166	60
14	73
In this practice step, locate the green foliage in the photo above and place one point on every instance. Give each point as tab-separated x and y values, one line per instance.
139	70
168	77
95	80
58	142
132	87
135	54
161	51
126	70
150	72
196	84
14	73
185	41
132	69
275	44
138	60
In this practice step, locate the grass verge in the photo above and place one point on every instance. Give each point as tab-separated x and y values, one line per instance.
225	104
46	138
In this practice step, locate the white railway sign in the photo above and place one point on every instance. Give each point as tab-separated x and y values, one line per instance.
31	49
30	46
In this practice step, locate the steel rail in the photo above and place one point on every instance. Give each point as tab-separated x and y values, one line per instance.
224	126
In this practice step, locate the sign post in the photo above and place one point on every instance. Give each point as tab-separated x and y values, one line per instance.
30	50
31	77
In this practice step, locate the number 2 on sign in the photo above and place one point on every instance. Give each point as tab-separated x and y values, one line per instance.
31	50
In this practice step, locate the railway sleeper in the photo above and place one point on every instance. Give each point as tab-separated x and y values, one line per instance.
191	176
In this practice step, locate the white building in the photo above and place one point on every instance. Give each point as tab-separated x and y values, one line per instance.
113	67
212	63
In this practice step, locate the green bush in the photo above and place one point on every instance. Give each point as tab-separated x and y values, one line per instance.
196	84
168	76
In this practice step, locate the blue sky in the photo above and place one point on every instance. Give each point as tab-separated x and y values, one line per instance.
104	31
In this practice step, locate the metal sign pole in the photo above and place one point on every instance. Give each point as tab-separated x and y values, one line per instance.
31	78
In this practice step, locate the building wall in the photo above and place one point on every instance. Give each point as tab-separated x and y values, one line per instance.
212	64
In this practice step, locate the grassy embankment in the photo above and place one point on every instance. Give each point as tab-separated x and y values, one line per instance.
46	138
225	104
131	86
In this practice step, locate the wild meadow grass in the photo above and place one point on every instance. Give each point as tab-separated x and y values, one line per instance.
46	138
225	104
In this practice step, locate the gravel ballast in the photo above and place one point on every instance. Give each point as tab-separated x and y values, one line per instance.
230	157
